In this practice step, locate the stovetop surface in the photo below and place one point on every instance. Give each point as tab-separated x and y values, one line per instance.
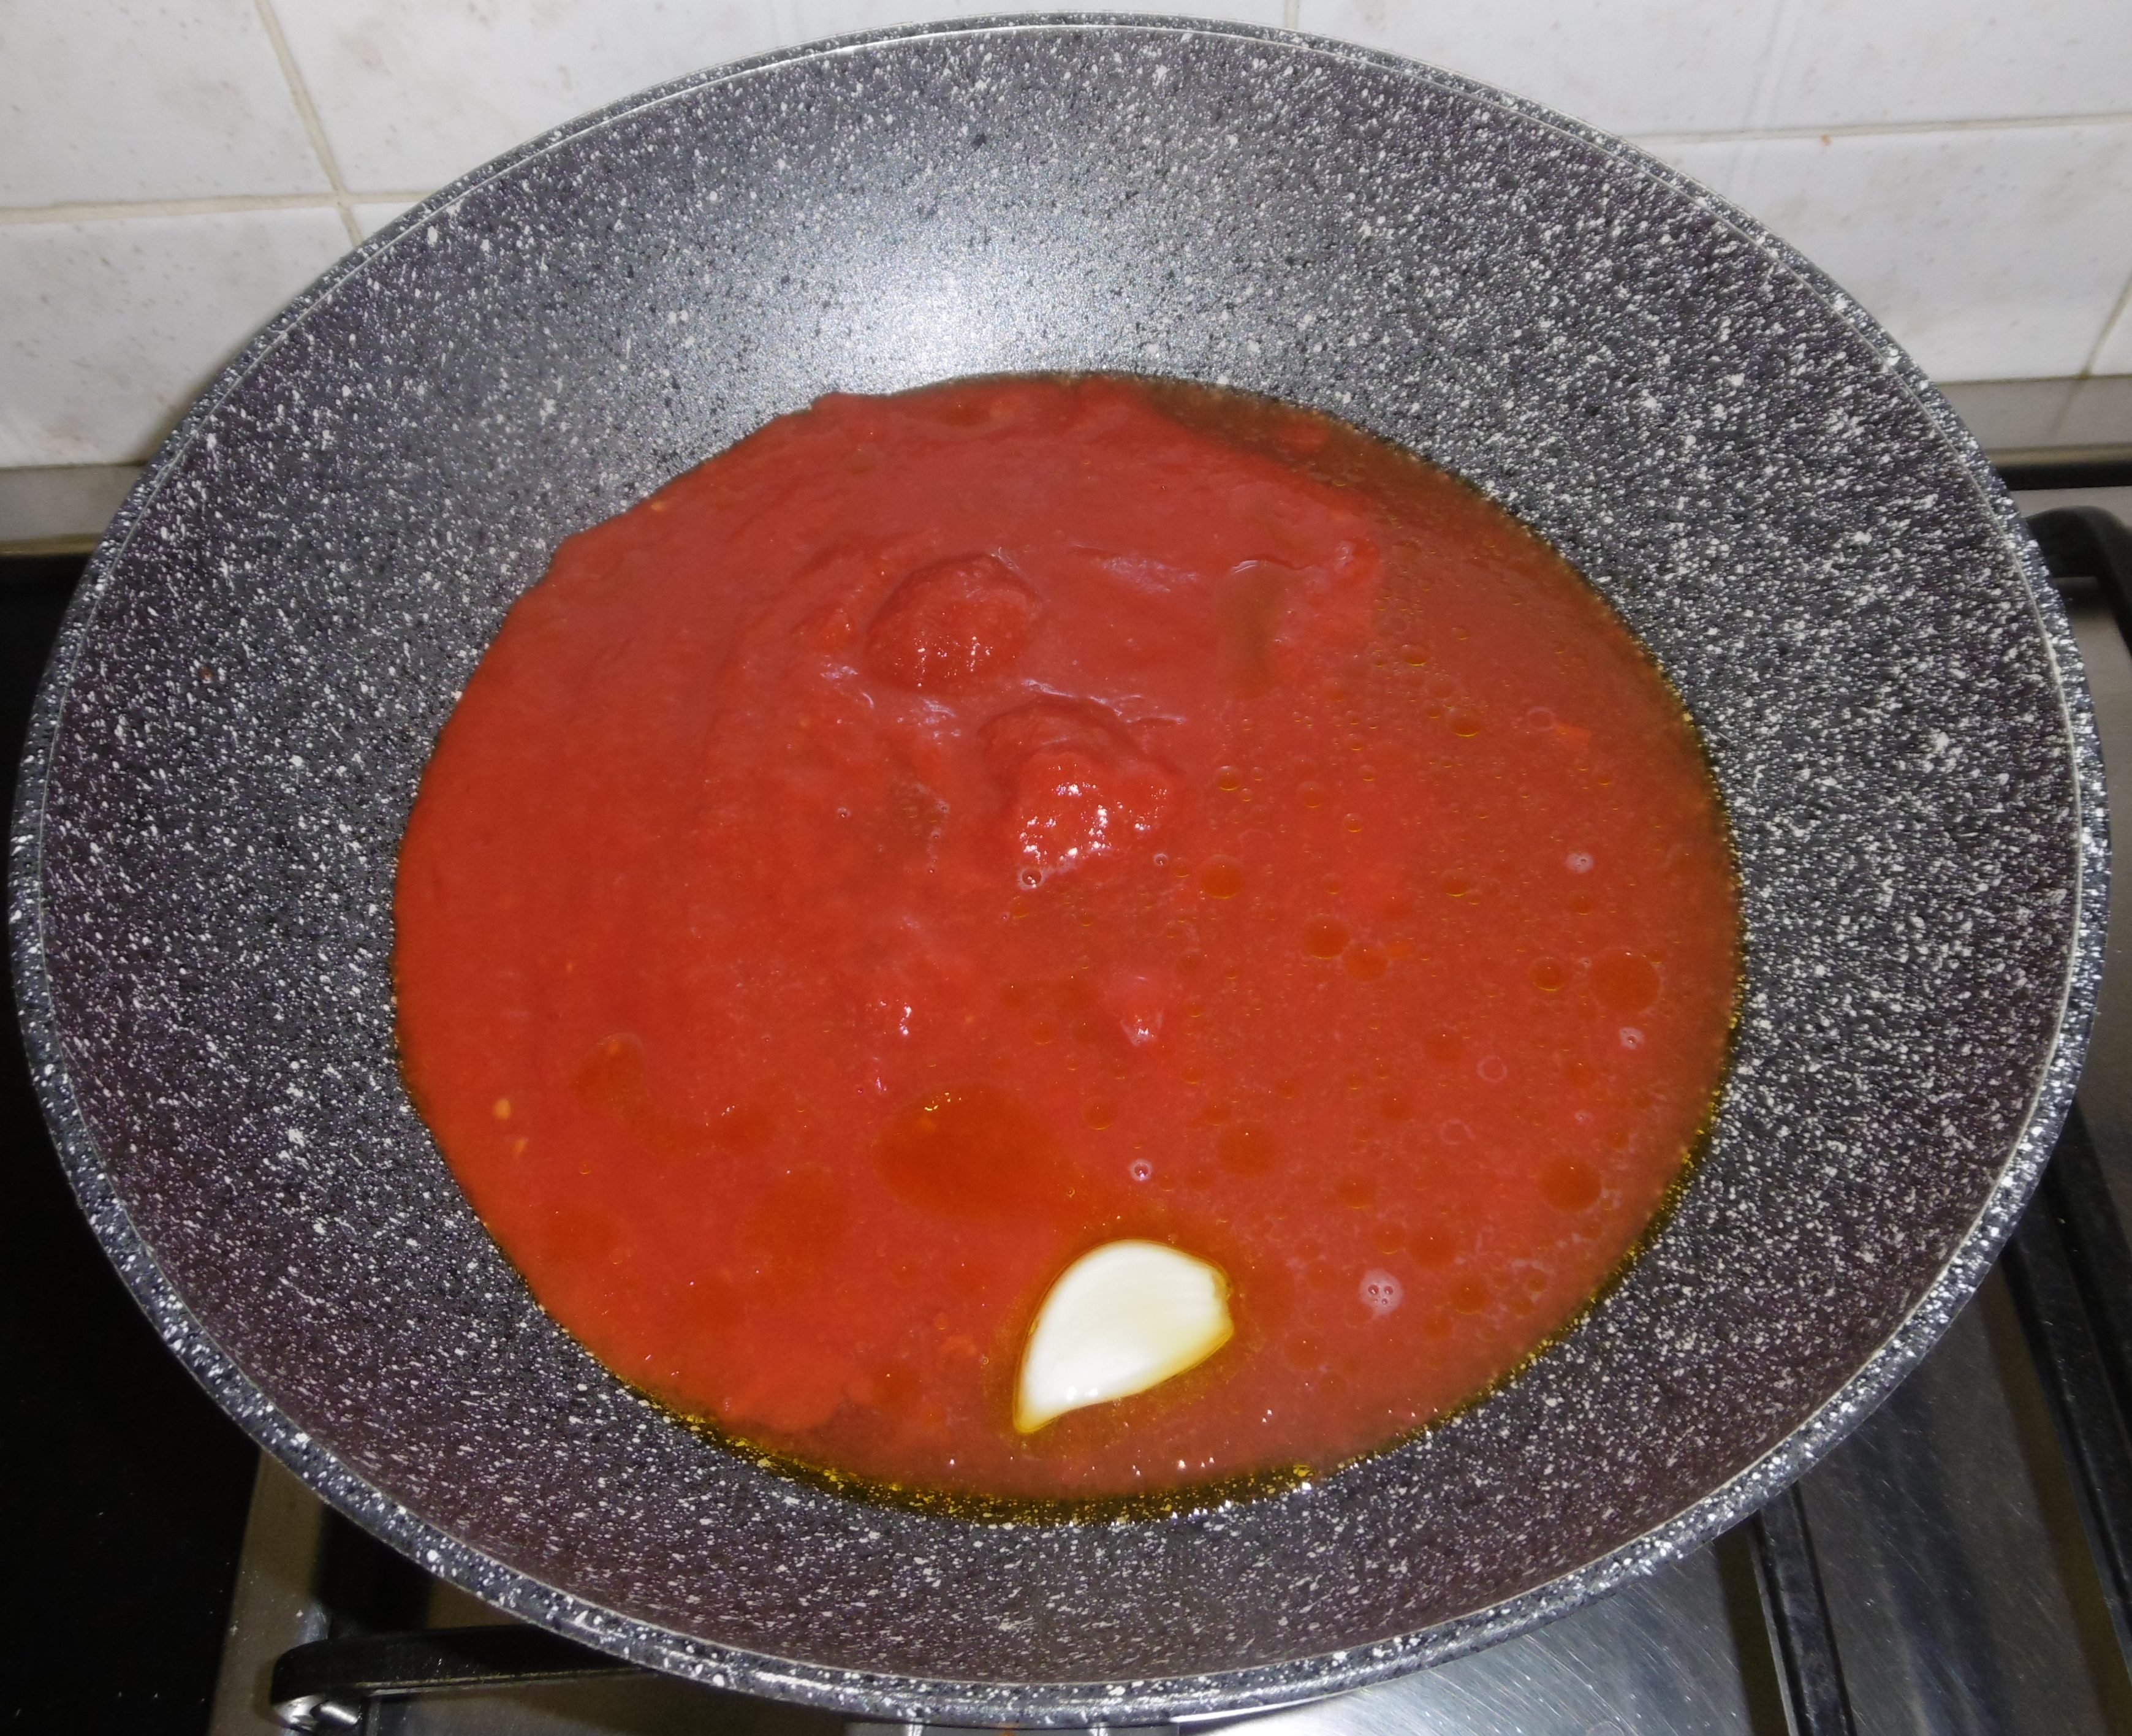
129	1486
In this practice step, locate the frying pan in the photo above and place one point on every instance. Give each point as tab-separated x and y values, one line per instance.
1765	487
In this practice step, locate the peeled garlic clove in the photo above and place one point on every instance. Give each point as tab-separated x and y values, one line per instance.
1120	1319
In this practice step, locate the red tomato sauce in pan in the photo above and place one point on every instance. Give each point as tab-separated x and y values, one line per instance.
947	832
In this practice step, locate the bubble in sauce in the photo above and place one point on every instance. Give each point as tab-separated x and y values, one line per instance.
1578	861
1140	1169
1325	936
1366	963
1631	1038
1624	982
1569	1186
1357	1192
1246	1149
1382	1291
1138	1000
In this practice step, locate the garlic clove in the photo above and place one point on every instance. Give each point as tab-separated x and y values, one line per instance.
1122	1318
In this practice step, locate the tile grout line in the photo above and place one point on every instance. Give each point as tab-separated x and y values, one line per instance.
116	210
340	194
313	126
1776	56
1776	61
1874	129
2119	315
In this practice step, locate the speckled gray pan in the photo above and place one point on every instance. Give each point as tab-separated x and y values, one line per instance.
281	618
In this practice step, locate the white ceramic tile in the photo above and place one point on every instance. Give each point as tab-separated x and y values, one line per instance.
1627	65
2114	355
414	93
371	217
809	20
1991	254
1849	63
111	101
107	329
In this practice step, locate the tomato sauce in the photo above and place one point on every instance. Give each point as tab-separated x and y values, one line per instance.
947	832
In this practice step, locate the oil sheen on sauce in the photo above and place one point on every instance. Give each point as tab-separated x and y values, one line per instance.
947	832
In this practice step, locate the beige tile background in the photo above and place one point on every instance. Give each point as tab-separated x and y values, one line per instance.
172	173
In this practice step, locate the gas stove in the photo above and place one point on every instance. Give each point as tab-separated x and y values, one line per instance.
1963	1563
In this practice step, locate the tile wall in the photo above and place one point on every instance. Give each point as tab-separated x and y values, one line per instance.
172	170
